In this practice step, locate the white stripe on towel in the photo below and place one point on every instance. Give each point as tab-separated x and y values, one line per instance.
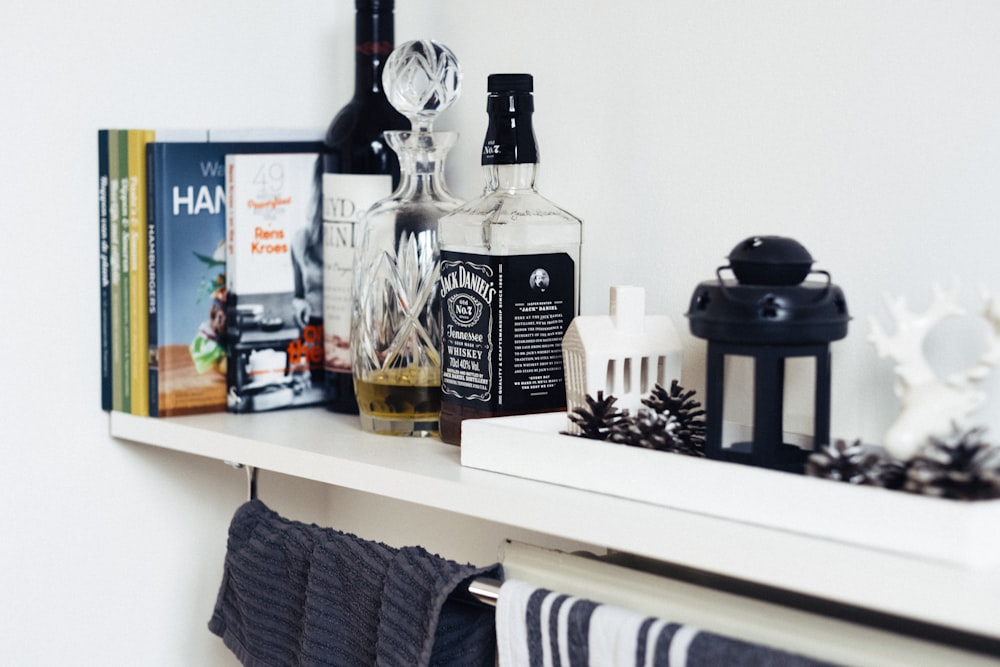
652	635
512	632
613	636
546	613
679	645
562	623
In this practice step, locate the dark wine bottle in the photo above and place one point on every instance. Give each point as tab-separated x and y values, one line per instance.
359	169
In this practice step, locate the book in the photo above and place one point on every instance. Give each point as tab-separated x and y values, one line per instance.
137	272
122	225
274	279
114	271
186	297
104	268
125	264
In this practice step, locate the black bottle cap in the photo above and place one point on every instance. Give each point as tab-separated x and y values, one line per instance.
374	5
510	93
510	83
509	105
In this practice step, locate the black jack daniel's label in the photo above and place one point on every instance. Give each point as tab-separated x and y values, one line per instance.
504	318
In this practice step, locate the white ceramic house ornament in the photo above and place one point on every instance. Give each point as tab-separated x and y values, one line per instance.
623	354
931	406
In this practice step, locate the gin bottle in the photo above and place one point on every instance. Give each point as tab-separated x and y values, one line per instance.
396	319
510	273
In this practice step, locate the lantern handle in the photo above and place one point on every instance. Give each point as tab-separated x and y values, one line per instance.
722	282
826	288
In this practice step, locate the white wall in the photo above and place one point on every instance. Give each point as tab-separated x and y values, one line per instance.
869	130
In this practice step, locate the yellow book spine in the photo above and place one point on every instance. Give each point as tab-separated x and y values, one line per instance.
138	283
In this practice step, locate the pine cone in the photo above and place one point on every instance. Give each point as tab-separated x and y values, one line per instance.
962	466
690	432
648	429
854	463
890	473
598	418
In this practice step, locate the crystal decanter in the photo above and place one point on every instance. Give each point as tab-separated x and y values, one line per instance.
395	316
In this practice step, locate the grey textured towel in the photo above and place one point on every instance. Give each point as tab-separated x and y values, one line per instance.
345	572
297	594
260	606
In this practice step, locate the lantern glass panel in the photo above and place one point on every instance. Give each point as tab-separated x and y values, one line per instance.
800	399
739	396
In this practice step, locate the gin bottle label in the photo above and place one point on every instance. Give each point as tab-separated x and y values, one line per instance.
504	318
346	198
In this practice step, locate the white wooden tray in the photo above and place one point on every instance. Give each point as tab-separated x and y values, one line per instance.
531	446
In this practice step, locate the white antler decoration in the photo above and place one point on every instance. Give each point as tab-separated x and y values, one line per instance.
932	407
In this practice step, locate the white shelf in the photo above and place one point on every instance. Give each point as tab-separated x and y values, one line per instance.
318	445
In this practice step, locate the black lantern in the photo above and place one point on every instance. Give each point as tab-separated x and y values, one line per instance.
770	313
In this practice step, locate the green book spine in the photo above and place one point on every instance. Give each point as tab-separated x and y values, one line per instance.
115	271
124	245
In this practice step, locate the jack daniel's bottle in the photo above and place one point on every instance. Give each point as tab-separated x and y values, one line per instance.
359	169
510	271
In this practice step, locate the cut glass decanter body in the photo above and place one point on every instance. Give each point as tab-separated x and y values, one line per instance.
395	320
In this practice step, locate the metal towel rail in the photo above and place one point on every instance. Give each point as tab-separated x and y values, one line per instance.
484	590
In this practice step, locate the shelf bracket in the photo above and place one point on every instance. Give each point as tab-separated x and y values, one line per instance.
251	478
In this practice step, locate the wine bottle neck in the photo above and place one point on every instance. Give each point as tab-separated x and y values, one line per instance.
373	42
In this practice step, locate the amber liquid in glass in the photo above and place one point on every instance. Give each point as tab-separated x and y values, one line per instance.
392	398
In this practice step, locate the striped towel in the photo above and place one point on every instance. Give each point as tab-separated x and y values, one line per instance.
299	595
539	628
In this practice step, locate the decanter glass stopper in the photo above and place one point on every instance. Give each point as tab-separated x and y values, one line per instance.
422	78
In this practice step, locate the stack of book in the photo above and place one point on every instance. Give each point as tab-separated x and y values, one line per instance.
174	337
